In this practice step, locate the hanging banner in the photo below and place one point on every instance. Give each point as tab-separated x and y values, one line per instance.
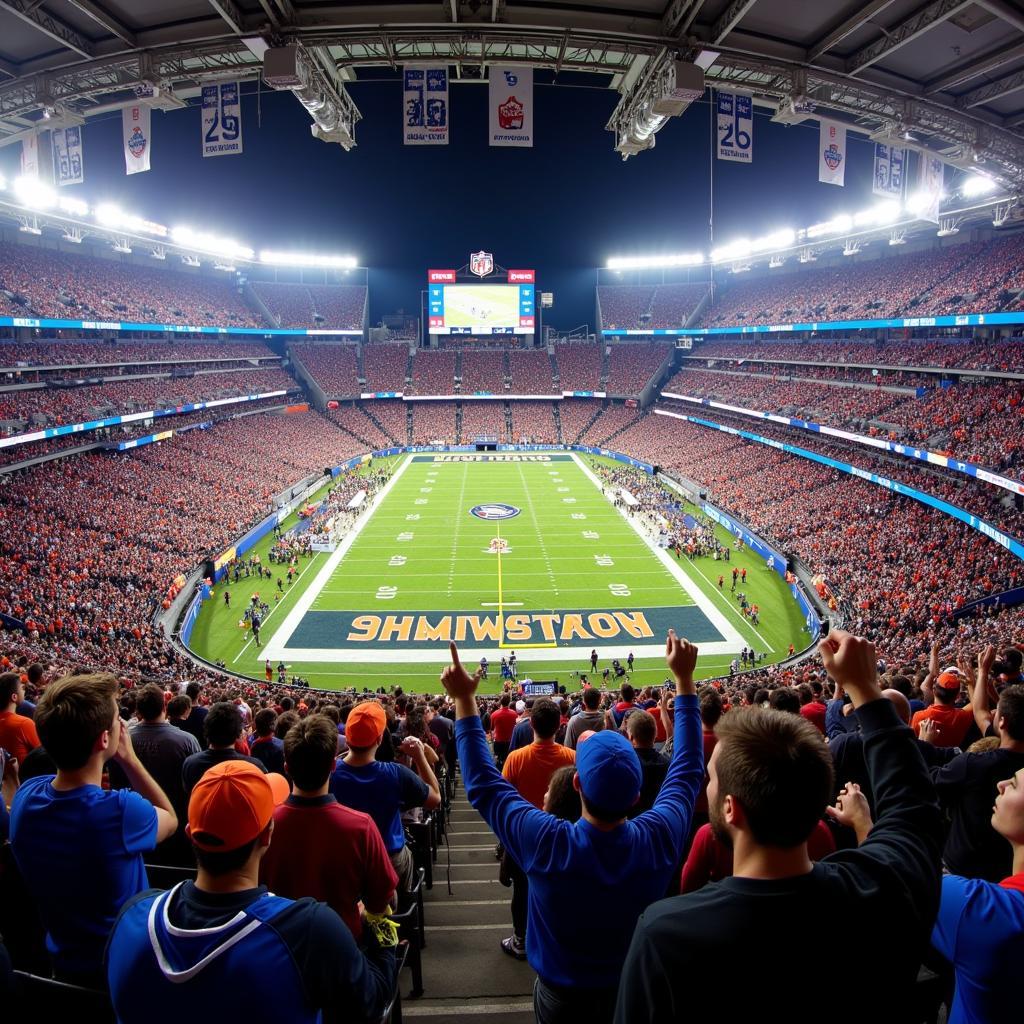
30	156
930	185
68	167
889	164
736	127
425	105
222	119
137	138
510	97
832	153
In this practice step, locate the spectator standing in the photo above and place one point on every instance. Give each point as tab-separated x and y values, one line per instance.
204	944
503	722
641	730
78	846
590	719
770	782
322	849
18	734
223	729
267	748
952	724
197	715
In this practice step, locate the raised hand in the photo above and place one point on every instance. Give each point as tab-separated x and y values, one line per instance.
681	658
459	684
852	810
928	730
851	661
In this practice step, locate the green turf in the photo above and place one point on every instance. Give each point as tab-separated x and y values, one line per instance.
554	564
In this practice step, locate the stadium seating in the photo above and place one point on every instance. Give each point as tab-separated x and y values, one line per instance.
574	415
484	419
385	367
392	417
648	307
47	283
334	367
579	366
341	306
531	372
533	423
84	354
631	366
433	373
433	421
482	371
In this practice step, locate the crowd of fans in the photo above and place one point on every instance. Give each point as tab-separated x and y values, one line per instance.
341	306
36	282
530	372
483	419
129	356
392	418
482	370
385	367
648	307
533	423
579	366
433	372
433	421
574	415
613	419
631	365
354	420
334	367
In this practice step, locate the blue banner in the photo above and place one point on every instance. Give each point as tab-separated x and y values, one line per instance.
116	325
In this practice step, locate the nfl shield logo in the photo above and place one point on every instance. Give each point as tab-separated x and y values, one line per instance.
833	157
481	263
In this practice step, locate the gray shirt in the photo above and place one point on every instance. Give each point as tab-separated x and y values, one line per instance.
580	724
162	749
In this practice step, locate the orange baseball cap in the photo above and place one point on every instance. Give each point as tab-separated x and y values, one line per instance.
365	725
232	804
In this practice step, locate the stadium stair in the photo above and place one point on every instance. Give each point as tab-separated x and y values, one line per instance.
558	422
466	976
377	423
578	439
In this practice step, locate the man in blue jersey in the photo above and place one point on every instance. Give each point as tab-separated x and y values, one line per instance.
79	847
577	946
204	945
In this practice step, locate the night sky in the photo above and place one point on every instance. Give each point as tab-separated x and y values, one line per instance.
562	207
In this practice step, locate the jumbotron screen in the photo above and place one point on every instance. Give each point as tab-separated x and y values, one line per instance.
481	309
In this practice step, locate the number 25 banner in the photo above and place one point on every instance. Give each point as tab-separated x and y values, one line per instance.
222	119
735	127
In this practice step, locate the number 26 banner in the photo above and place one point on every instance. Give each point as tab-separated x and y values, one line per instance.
222	119
735	127
67	156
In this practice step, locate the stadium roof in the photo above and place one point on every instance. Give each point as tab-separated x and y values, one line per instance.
946	75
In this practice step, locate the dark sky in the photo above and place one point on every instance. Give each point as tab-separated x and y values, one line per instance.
562	207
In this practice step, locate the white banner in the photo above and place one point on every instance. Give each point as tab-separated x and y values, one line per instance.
30	156
930	184
510	98
222	119
736	127
137	138
425	105
889	164
832	153
68	166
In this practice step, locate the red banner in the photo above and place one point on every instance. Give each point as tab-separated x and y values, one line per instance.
521	276
441	276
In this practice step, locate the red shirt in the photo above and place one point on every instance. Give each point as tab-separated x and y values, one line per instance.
953	723
18	735
701	804
530	768
503	722
659	736
323	849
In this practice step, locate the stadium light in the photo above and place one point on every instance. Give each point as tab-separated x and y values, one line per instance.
299	259
75	207
883	213
31	192
836	226
733	251
921	201
680	259
977	185
110	215
3	183
213	244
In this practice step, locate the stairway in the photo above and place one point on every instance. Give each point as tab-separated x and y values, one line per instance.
466	976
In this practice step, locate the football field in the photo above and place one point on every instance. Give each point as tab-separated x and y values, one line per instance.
504	552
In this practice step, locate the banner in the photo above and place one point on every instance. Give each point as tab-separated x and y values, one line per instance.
832	153
510	96
736	127
930	185
889	164
425	105
30	156
222	119
68	167
137	138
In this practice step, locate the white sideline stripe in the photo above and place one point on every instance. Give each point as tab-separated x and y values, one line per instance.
278	643
718	620
411	1009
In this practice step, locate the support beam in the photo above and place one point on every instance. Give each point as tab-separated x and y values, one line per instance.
50	26
108	21
975	67
230	13
730	18
1004	12
991	91
679	16
916	25
847	28
7	68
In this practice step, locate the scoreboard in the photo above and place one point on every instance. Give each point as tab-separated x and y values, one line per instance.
481	309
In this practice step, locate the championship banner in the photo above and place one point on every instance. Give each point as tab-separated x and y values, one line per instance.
832	153
222	119
30	156
68	166
889	164
137	139
510	99
425	105
736	127
930	184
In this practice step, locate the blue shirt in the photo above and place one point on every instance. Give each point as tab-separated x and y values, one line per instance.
381	789
980	930
270	751
80	853
587	886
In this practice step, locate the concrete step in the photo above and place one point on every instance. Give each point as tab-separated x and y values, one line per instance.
490	911
467	963
485	887
471	1011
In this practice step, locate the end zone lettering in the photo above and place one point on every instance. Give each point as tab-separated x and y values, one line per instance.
492	458
520	628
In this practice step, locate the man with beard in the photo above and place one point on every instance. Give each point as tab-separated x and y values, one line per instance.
770	778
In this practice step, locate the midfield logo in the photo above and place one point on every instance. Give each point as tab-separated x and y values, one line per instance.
494	510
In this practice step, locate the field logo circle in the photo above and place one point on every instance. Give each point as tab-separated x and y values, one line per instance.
494	510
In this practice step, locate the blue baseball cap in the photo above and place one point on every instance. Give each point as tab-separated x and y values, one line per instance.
609	771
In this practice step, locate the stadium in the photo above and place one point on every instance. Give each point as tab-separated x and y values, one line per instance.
593	431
